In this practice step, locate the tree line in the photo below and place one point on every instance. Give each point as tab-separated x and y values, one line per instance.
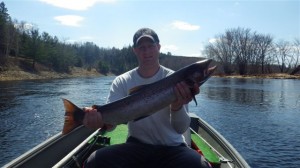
20	39
242	51
238	50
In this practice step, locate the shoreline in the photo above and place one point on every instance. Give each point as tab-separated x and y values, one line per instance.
18	75
262	76
17	69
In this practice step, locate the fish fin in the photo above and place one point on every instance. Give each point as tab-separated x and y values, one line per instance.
194	95
190	82
136	89
194	98
73	116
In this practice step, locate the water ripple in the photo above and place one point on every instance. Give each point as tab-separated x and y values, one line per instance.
259	117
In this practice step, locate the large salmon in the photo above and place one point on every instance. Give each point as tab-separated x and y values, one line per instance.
144	101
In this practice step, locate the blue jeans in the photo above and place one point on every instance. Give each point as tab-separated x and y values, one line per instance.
134	153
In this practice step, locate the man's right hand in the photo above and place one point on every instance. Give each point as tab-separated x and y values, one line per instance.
92	119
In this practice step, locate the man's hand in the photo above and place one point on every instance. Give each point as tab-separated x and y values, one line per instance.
92	119
184	95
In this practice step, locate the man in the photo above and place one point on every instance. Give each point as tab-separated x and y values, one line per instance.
154	141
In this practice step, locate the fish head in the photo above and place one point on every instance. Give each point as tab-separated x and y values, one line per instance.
200	71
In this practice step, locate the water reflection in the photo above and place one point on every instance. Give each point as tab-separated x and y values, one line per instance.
7	95
255	92
258	116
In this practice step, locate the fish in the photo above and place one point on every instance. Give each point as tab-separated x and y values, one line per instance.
143	100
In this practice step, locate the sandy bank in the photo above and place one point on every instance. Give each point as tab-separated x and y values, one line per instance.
18	74
265	76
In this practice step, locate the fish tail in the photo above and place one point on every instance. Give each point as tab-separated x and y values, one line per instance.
73	116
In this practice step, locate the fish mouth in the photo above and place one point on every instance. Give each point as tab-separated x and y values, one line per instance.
207	72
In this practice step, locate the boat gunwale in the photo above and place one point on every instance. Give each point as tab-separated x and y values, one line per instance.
36	154
234	155
34	151
212	137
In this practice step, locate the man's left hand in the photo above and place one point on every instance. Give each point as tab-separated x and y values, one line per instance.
184	95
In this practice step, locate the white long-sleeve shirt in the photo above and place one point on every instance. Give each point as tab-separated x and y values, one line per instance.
163	127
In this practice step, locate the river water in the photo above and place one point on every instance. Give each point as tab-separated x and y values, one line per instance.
259	117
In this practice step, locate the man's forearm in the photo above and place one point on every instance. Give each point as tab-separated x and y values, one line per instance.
180	120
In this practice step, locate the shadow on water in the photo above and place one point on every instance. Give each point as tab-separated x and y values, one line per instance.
14	92
8	95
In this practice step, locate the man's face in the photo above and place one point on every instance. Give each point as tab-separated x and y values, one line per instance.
147	52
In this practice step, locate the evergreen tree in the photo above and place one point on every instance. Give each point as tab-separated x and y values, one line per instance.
4	17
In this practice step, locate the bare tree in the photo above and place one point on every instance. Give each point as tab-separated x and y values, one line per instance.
222	50
296	56
264	45
240	48
283	55
14	41
241	38
297	51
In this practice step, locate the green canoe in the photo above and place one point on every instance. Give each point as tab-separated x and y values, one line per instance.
72	149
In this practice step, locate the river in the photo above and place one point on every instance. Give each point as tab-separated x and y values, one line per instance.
259	117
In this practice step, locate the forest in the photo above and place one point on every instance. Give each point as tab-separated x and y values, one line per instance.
237	51
17	39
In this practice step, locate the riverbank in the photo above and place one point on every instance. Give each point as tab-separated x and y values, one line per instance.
18	74
17	68
20	69
266	76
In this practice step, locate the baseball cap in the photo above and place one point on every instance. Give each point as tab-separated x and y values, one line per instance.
144	32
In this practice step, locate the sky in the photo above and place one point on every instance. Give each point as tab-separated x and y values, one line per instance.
184	27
